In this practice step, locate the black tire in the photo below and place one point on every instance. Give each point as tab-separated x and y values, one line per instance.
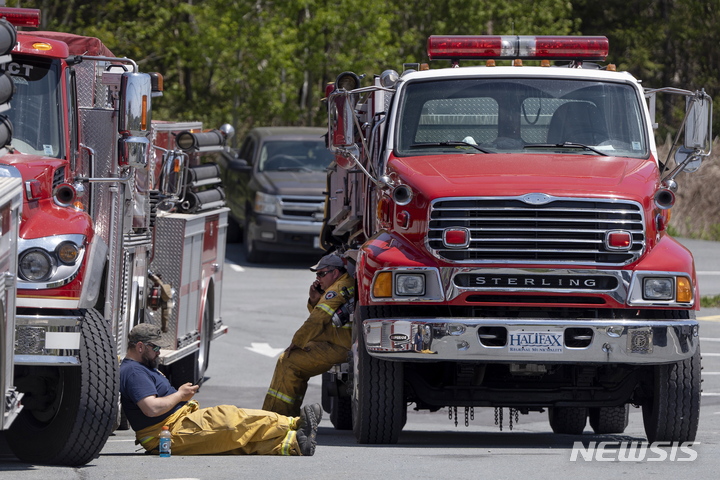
341	413
85	405
252	254
568	420
378	403
672	414
605	420
234	232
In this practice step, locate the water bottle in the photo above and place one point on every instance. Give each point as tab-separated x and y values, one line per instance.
165	442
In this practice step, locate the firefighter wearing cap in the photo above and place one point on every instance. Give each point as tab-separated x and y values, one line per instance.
321	342
150	402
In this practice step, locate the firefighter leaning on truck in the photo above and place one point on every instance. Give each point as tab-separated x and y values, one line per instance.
321	342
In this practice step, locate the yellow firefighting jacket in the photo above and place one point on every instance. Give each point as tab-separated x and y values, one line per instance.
329	319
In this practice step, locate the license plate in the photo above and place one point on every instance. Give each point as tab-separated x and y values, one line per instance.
522	341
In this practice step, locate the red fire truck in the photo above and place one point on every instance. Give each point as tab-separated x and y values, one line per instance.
10	207
121	224
508	226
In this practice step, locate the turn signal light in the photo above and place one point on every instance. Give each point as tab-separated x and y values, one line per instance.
684	290
382	287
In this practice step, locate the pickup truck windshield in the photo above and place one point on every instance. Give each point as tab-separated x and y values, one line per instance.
528	115
35	107
303	155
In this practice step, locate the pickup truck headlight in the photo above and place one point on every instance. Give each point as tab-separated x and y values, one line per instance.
658	288
265	204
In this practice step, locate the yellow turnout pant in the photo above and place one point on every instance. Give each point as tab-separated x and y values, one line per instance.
293	371
224	429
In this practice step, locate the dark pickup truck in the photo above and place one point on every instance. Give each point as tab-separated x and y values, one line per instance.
274	188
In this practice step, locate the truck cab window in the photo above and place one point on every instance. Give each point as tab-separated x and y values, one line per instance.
35	112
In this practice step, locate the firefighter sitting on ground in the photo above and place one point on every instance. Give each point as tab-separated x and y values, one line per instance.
321	342
150	402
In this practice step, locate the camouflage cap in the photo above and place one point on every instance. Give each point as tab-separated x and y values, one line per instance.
329	260
147	333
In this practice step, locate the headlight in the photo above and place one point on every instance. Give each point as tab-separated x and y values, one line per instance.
410	284
265	204
658	289
35	265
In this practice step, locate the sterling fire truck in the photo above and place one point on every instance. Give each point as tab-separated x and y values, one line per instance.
121	224
508	227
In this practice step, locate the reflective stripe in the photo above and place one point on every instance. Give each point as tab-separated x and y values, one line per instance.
145	440
287	442
326	309
281	396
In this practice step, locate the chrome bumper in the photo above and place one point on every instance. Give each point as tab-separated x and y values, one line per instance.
531	340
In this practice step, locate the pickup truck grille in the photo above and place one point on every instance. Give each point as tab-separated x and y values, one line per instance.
561	231
302	208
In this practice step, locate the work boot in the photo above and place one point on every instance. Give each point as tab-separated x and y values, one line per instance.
307	431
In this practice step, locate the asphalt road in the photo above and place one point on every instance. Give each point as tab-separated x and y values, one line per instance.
264	304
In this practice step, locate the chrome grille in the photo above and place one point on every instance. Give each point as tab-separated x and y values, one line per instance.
564	230
302	208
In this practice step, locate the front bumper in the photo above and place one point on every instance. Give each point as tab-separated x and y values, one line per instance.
276	234
531	340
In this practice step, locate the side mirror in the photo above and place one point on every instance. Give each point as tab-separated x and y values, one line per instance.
682	153
134	119
341	128
239	164
698	126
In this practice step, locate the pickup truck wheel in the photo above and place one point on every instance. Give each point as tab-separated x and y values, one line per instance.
568	420
75	425
378	404
234	232
252	254
605	420
672	414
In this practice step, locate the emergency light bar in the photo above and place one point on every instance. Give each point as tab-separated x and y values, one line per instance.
479	47
21	17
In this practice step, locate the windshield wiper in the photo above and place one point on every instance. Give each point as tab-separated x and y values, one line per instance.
567	145
448	144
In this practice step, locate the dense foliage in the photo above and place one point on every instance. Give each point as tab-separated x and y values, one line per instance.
266	62
253	62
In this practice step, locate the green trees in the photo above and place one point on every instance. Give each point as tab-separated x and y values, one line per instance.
265	62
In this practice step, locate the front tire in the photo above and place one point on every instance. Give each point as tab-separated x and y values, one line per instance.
672	414
378	403
75	425
252	254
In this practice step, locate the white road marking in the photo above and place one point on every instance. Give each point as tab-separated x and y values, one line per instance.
710	394
266	349
236	267
710	354
710	373
708	339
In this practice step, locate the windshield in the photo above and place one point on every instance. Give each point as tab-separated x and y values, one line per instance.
532	115
35	107
304	155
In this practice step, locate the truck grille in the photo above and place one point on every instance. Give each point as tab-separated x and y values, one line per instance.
563	230
302	208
